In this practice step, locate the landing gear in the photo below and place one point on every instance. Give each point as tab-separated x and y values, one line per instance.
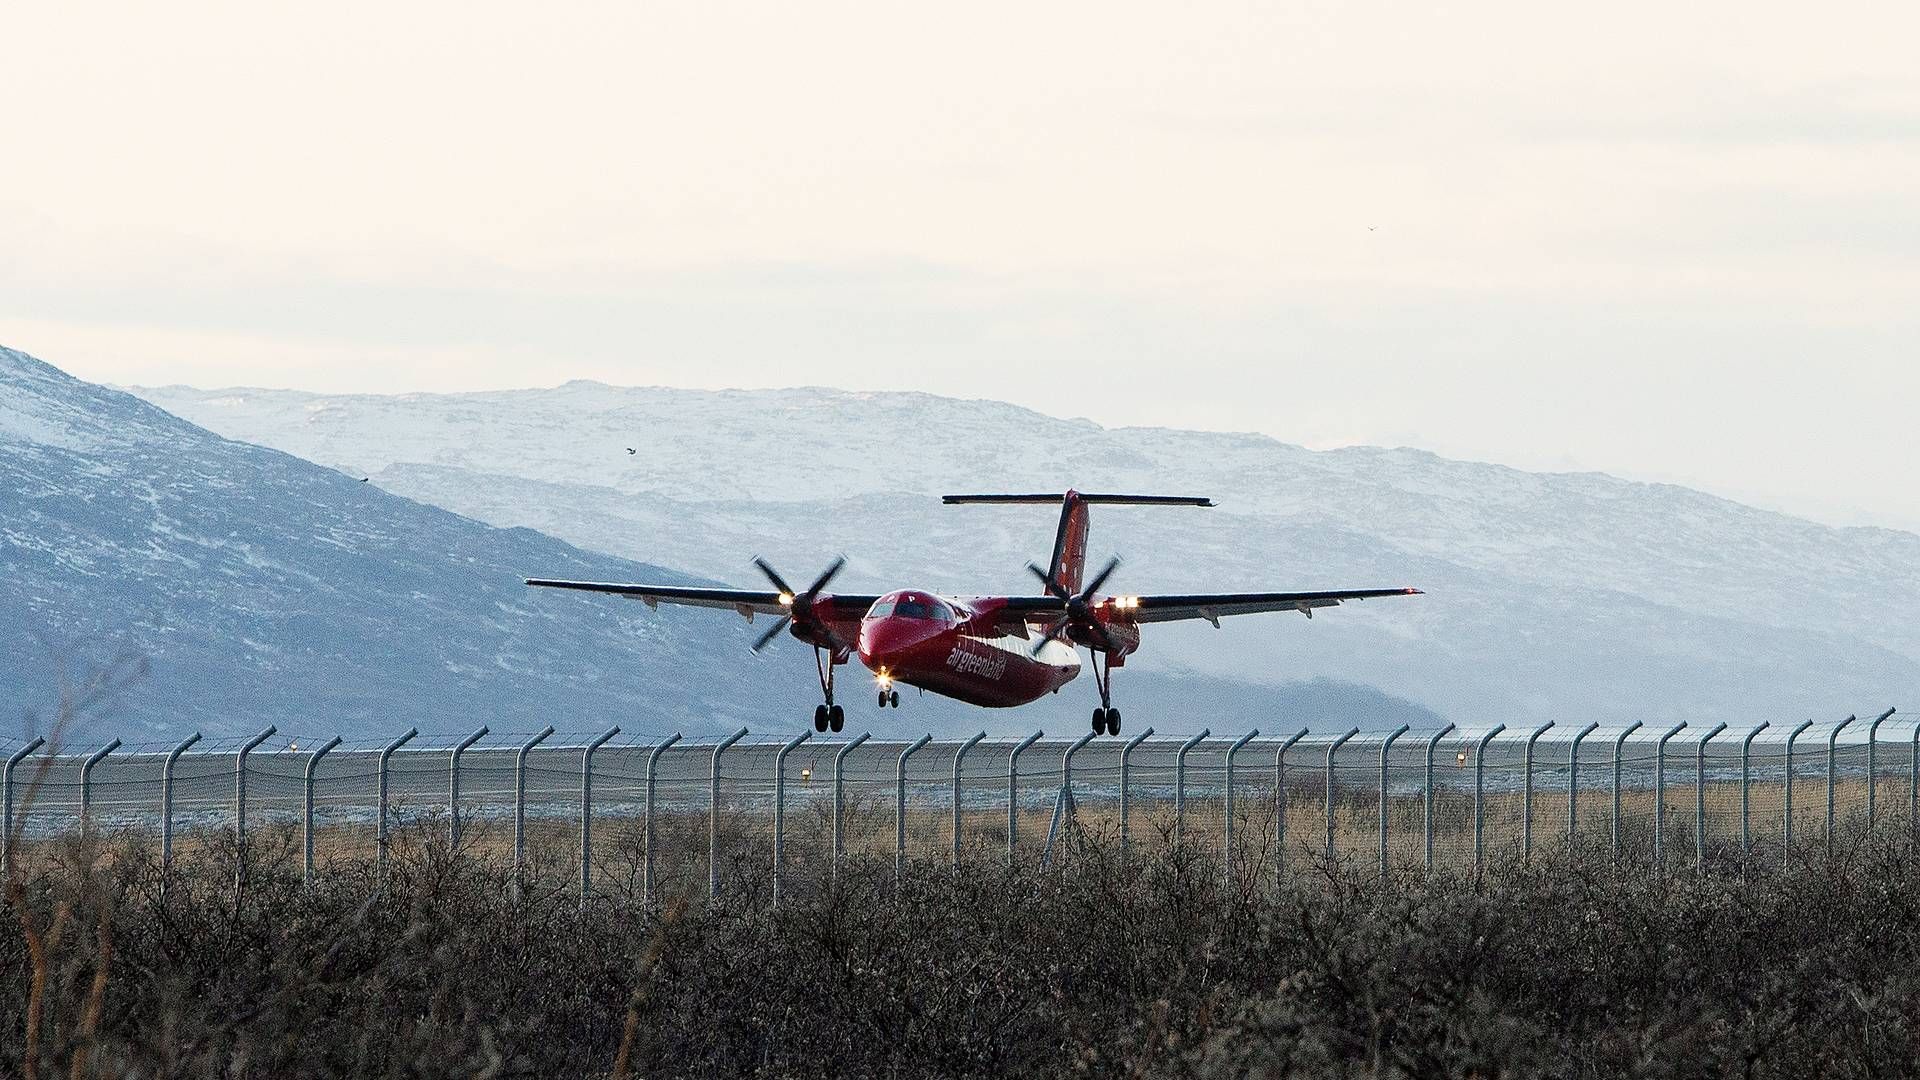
1106	718
827	716
889	699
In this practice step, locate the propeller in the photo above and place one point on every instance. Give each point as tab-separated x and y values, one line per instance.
1079	608
799	602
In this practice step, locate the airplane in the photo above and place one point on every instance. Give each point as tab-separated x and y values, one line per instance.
992	651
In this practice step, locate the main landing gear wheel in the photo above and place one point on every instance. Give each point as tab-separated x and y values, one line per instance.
1106	718
836	717
819	718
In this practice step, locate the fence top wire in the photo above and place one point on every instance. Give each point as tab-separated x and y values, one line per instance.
1639	745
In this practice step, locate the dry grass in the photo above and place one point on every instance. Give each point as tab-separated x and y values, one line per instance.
1160	966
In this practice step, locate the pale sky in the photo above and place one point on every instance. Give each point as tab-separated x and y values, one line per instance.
1668	241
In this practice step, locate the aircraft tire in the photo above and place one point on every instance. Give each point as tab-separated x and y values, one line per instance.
893	698
819	718
1113	721
1099	721
836	718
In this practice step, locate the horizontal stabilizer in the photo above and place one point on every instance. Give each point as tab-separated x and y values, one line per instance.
1123	500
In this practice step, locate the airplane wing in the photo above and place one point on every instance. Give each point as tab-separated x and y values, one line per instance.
1212	606
745	601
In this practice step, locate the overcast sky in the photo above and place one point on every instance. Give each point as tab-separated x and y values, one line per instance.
1669	241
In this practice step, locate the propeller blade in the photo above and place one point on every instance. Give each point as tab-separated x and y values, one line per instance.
826	576
1100	632
1053	634
1053	587
1100	579
767	638
773	576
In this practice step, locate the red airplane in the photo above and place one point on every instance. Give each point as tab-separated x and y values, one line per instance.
995	651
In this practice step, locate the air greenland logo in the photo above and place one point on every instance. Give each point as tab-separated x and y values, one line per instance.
972	663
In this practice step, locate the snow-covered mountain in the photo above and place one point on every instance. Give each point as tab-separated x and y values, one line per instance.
263	589
1551	596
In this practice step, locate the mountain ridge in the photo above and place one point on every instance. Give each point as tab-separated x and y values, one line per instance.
263	588
1570	580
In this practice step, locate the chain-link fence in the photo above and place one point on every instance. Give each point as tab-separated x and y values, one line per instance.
757	818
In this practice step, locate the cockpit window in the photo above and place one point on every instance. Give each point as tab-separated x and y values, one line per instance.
912	607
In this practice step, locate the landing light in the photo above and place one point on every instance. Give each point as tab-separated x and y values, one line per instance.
786	599
884	678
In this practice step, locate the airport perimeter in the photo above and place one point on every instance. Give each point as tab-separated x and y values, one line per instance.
748	818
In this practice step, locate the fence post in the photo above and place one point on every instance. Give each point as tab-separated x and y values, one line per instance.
1573	788
1526	794
86	783
713	815
306	826
1700	799
586	810
166	805
900	809
1126	753
1660	798
1479	787
1913	782
380	807
1833	737
1180	787
1333	748
453	785
780	808
1619	742
520	806
1064	810
839	800
1013	792
6	797
653	765
1385	747
959	756
1280	801
240	805
1786	833
1427	828
1746	777
1873	772
1227	830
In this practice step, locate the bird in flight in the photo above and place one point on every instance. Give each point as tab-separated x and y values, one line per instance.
630	450
1373	228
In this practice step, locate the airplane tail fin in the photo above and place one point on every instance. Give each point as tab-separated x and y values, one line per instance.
1069	563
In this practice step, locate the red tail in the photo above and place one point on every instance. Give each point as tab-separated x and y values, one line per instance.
1069	563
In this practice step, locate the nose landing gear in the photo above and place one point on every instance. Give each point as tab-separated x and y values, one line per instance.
889	699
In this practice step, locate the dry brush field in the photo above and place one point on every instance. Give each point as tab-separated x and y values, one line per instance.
1563	967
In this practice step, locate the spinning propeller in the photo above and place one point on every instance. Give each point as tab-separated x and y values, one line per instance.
800	605
1079	608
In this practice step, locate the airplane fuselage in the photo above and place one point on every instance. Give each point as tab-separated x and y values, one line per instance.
965	648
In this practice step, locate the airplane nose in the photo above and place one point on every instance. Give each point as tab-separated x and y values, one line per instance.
891	642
